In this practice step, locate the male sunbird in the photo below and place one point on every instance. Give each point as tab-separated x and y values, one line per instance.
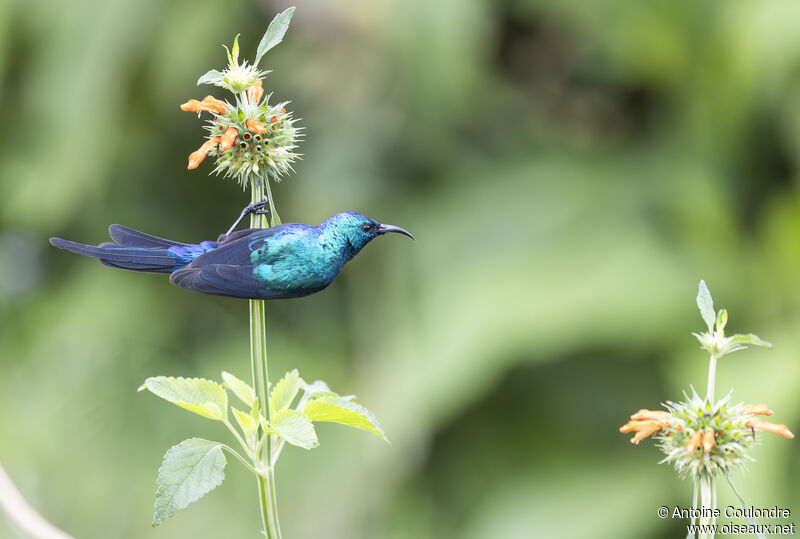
286	261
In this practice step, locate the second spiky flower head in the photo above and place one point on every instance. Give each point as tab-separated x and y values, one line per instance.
250	139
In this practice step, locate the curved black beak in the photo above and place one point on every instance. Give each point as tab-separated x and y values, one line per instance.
391	228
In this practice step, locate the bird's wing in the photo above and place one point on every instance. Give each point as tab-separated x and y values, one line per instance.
238	235
223	280
235	250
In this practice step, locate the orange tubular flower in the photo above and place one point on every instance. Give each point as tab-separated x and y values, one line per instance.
255	126
197	156
646	423
255	92
193	105
221	107
708	441
656	415
775	428
227	140
694	441
644	433
756	409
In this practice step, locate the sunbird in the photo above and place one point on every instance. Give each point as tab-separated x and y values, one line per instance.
286	261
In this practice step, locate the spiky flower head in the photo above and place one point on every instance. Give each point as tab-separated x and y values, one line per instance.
698	437
251	139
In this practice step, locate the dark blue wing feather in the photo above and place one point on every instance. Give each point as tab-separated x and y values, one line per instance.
129	237
222	280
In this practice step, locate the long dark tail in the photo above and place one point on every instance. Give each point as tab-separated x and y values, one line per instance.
131	250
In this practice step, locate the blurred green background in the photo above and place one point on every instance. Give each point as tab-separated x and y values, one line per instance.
571	170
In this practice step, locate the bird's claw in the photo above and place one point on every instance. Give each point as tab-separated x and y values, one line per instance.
254	207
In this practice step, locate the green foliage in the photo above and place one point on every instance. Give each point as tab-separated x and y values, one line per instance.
233	54
194	467
343	410
296	428
274	34
285	392
190	470
714	340
248	424
212	76
740	342
240	388
706	305
197	395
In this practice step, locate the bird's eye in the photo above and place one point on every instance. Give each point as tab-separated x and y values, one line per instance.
366	227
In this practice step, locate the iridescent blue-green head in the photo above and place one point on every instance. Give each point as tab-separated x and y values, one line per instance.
354	230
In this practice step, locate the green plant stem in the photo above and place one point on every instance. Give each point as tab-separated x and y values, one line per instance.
708	484
236	435
708	497
712	376
240	458
258	363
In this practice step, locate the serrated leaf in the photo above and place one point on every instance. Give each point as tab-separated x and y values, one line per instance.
190	470
749	340
319	388
706	306
268	429
343	410
274	34
240	388
248	424
210	77
296	428
197	395
284	392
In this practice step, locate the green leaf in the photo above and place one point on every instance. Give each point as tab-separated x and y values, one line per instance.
274	34
248	424
749	340
319	388
750	520
343	410
284	392
197	395
268	429
706	306
296	429
240	388
211	77
235	51
722	320
190	470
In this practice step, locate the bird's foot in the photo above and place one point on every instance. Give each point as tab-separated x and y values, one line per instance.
257	208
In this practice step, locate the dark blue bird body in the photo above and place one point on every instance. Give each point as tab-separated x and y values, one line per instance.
286	261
